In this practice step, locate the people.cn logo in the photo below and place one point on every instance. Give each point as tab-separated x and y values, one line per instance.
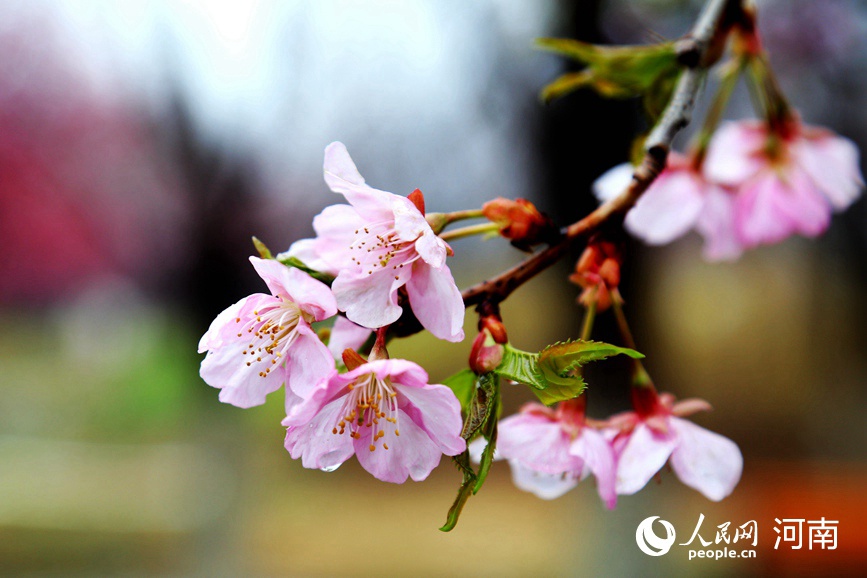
649	542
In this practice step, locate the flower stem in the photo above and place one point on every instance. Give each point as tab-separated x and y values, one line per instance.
640	377
469	231
463	215
589	315
730	75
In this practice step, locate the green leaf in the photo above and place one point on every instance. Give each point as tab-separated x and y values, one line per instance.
658	94
559	363
481	406
299	264
613	71
464	492
489	431
262	249
463	385
521	366
481	417
554	373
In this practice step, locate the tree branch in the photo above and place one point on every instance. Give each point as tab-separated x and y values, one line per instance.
697	51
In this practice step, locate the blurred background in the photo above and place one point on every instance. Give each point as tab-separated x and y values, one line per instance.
142	144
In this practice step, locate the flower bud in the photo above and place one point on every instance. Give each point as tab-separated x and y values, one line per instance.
494	326
598	272
486	354
518	220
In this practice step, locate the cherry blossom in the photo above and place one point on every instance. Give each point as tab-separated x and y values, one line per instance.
788	181
264	341
551	450
383	411
645	439
376	245
679	200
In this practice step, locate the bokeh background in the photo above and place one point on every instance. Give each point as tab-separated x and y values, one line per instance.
143	143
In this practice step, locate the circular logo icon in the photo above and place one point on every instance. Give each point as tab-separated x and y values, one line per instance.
649	542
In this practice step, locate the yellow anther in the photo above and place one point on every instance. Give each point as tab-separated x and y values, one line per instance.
385	446
334	430
397	433
372	447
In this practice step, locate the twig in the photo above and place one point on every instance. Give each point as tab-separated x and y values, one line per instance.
697	51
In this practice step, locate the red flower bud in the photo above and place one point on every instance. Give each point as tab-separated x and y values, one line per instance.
486	353
519	220
495	327
598	272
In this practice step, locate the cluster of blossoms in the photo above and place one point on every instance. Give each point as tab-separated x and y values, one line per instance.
550	450
380	259
375	246
756	186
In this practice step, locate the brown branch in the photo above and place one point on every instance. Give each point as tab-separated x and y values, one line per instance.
697	51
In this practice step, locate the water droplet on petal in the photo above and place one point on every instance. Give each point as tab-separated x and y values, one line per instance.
330	468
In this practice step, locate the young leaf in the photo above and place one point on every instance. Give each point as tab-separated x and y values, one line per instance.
521	366
262	249
489	431
464	492
613	71
481	405
554	372
560	362
299	264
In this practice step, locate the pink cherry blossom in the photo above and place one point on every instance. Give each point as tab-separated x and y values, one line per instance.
679	200
644	441
551	450
786	183
384	412
377	244
264	341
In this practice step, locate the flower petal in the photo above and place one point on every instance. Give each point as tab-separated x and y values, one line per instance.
538	443
305	250
436	301
716	223
668	209
222	328
315	443
346	335
598	456
545	486
734	154
335	228
705	461
412	454
310	362
613	182
240	384
369	300
477	447
769	209
436	410
641	457
832	163
343	177
400	371
311	295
